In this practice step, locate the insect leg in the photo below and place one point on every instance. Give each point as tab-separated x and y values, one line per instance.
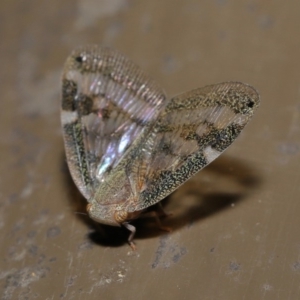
132	230
161	212
156	215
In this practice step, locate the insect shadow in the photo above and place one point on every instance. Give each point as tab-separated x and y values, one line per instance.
218	187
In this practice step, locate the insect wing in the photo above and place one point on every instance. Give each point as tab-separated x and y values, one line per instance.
193	130
106	104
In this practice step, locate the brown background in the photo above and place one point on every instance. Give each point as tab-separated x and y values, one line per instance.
235	225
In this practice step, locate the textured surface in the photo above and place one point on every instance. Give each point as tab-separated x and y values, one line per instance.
235	225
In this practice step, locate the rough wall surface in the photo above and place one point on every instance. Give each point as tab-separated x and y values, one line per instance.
235	225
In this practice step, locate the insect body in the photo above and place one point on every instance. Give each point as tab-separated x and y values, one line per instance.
127	145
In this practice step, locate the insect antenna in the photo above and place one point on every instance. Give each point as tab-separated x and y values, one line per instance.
80	213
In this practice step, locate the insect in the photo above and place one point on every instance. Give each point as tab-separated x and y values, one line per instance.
127	145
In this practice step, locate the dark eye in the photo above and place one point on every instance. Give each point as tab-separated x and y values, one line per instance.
250	103
79	59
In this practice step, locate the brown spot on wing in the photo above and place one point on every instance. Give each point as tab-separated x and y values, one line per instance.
69	91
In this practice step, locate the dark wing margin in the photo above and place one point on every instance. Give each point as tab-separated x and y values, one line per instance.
107	102
193	130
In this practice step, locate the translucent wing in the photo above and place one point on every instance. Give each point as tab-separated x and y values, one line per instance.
106	104
193	130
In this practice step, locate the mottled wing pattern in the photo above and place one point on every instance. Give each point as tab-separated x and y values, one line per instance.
106	103
193	130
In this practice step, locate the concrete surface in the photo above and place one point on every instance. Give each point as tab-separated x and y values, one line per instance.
235	225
